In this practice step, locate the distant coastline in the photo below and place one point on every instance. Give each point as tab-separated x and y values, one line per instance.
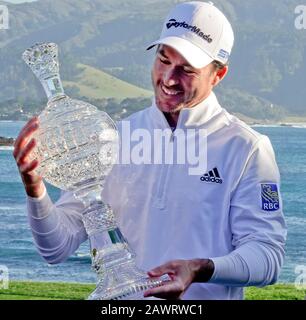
294	122
6	142
290	121
277	124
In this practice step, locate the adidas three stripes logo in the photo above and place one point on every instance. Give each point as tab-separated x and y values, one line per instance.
212	176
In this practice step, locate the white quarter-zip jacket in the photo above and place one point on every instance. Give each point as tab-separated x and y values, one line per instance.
231	212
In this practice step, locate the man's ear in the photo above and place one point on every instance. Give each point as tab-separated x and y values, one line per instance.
221	73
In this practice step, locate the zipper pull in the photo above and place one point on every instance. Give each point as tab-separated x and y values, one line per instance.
172	136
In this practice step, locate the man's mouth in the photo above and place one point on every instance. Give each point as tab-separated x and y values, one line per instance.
170	92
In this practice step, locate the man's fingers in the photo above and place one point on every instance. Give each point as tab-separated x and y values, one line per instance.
25	133
23	136
28	167
23	155
163	269
27	125
170	290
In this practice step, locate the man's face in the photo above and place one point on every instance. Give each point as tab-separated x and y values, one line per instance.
176	83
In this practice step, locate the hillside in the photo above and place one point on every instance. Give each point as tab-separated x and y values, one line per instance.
96	84
267	67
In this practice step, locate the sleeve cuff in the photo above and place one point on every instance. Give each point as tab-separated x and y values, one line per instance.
230	270
39	198
220	268
39	208
42	215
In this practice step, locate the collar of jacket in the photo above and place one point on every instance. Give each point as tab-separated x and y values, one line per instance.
189	117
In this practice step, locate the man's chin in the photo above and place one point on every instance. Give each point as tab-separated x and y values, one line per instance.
171	108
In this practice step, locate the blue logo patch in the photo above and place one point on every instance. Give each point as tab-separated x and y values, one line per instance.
223	54
269	197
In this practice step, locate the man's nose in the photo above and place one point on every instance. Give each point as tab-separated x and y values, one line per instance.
170	77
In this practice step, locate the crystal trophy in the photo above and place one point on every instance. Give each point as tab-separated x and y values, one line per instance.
77	145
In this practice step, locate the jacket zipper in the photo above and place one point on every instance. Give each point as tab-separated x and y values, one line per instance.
163	180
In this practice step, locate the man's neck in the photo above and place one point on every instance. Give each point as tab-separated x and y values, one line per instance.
172	118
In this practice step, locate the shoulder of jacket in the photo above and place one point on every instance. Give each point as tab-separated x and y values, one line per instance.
242	130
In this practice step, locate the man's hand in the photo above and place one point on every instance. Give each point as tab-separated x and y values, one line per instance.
23	147
182	274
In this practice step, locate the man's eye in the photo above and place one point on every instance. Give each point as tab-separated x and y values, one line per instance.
164	61
188	71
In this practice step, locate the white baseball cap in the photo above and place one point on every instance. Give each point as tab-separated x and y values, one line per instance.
199	32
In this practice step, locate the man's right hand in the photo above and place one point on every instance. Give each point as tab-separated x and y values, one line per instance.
23	147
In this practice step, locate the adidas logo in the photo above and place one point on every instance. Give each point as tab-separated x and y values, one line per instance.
212	176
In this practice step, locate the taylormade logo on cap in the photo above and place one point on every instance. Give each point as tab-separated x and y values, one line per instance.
195	29
199	32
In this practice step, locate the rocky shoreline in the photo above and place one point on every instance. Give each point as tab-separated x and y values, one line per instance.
6	141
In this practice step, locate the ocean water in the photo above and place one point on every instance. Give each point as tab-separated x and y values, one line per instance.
18	253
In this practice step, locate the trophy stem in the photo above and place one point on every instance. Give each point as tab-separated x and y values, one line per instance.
112	258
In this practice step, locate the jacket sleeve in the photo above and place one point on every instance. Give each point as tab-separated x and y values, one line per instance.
257	224
57	228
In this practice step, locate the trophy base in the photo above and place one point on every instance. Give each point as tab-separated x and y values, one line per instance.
118	276
127	290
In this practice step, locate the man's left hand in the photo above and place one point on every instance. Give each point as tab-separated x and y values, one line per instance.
182	273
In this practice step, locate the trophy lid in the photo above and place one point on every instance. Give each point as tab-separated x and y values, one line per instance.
42	58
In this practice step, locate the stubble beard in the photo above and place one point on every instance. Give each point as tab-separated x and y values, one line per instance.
177	109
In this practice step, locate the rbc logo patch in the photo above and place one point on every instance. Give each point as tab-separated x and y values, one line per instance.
269	197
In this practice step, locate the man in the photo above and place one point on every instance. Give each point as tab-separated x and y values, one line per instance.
214	232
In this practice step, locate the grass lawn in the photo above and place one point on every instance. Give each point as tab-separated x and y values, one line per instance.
26	290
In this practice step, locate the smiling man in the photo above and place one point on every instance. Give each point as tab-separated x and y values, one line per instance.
178	85
212	233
